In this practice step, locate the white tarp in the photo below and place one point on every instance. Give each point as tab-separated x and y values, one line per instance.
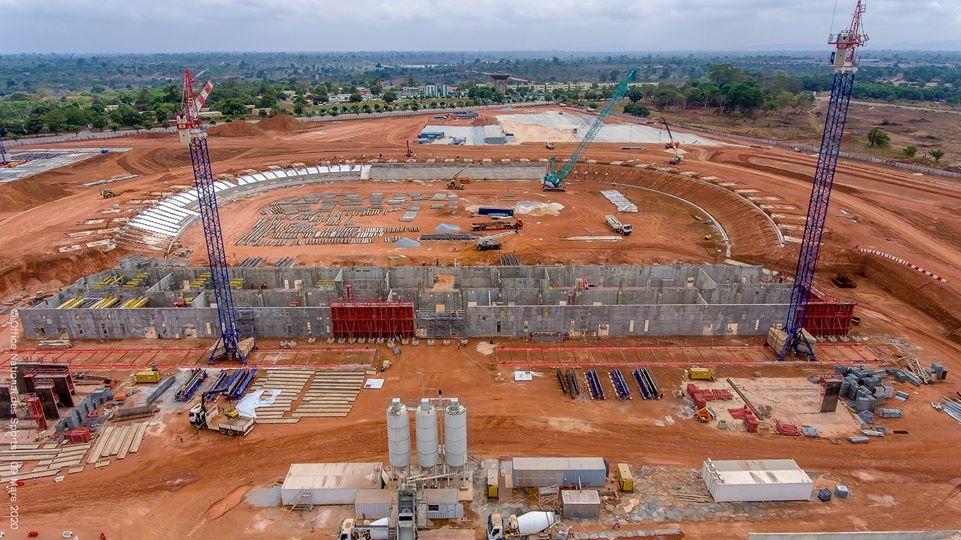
374	384
259	398
523	376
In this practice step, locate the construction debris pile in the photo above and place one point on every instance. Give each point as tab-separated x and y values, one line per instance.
864	387
619	200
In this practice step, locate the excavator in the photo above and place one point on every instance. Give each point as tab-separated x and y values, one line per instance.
554	178
673	145
455	183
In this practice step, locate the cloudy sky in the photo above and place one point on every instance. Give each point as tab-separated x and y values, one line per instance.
98	26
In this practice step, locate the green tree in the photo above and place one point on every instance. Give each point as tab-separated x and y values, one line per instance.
234	108
878	137
268	98
125	116
635	94
55	121
390	97
356	98
98	121
667	95
636	109
910	151
937	154
744	96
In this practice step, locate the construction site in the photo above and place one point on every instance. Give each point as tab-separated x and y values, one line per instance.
529	322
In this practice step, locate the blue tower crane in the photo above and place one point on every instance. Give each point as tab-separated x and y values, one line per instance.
844	60
554	178
195	137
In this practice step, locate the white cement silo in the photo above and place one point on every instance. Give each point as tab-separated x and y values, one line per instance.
455	434
427	444
398	434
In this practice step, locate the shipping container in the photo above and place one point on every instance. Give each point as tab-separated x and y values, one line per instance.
756	480
329	483
373	503
577	472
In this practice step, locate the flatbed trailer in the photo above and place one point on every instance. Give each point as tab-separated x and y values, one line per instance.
497	225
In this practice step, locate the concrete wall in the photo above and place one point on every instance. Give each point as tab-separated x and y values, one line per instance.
484	301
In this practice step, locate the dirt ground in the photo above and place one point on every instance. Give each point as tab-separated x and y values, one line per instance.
197	489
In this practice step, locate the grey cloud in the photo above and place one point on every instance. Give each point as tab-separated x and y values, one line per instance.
630	25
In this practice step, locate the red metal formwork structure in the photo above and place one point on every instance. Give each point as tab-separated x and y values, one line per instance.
828	316
372	319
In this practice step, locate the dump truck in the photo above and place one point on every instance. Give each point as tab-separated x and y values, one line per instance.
620	228
695	373
529	526
206	415
497	225
149	375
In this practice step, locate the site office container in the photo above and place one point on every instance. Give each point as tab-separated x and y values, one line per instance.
564	472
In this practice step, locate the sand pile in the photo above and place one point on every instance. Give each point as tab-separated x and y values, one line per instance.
535	208
237	128
281	122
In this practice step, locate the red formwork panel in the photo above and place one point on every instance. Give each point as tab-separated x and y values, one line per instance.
372	319
828	316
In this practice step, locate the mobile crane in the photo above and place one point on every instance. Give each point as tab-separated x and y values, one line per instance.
455	183
673	145
554	178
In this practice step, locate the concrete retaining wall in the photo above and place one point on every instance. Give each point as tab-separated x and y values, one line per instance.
484	301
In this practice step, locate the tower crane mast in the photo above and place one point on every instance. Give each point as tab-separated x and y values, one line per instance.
195	137
844	59
554	178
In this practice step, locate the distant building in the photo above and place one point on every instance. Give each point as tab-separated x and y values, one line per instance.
435	90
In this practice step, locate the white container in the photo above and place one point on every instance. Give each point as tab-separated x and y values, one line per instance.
455	434
398	434
427	444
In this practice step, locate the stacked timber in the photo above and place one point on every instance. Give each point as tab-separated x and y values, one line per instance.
331	394
50	458
291	383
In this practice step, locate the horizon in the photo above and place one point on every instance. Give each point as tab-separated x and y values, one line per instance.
493	26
